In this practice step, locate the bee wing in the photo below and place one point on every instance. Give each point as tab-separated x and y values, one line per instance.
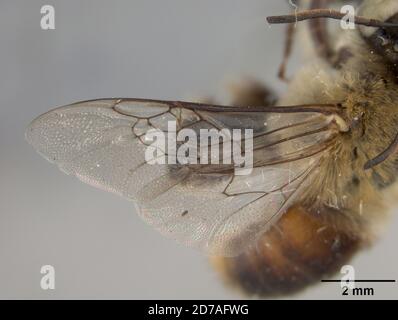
102	142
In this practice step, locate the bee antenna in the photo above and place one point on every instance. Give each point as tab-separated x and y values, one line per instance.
327	13
384	155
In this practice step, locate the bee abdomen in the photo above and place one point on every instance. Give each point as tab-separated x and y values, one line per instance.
300	250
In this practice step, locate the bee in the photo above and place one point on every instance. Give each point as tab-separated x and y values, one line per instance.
324	156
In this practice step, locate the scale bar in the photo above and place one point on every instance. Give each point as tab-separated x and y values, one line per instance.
359	281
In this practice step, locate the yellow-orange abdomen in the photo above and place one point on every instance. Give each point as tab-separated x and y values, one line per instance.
301	249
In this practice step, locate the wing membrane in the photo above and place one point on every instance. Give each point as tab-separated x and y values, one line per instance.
103	143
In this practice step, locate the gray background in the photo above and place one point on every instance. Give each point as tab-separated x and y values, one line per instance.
170	49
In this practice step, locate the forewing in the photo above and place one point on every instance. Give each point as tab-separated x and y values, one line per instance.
103	143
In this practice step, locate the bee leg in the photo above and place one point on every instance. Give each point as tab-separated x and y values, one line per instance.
290	32
319	35
319	32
